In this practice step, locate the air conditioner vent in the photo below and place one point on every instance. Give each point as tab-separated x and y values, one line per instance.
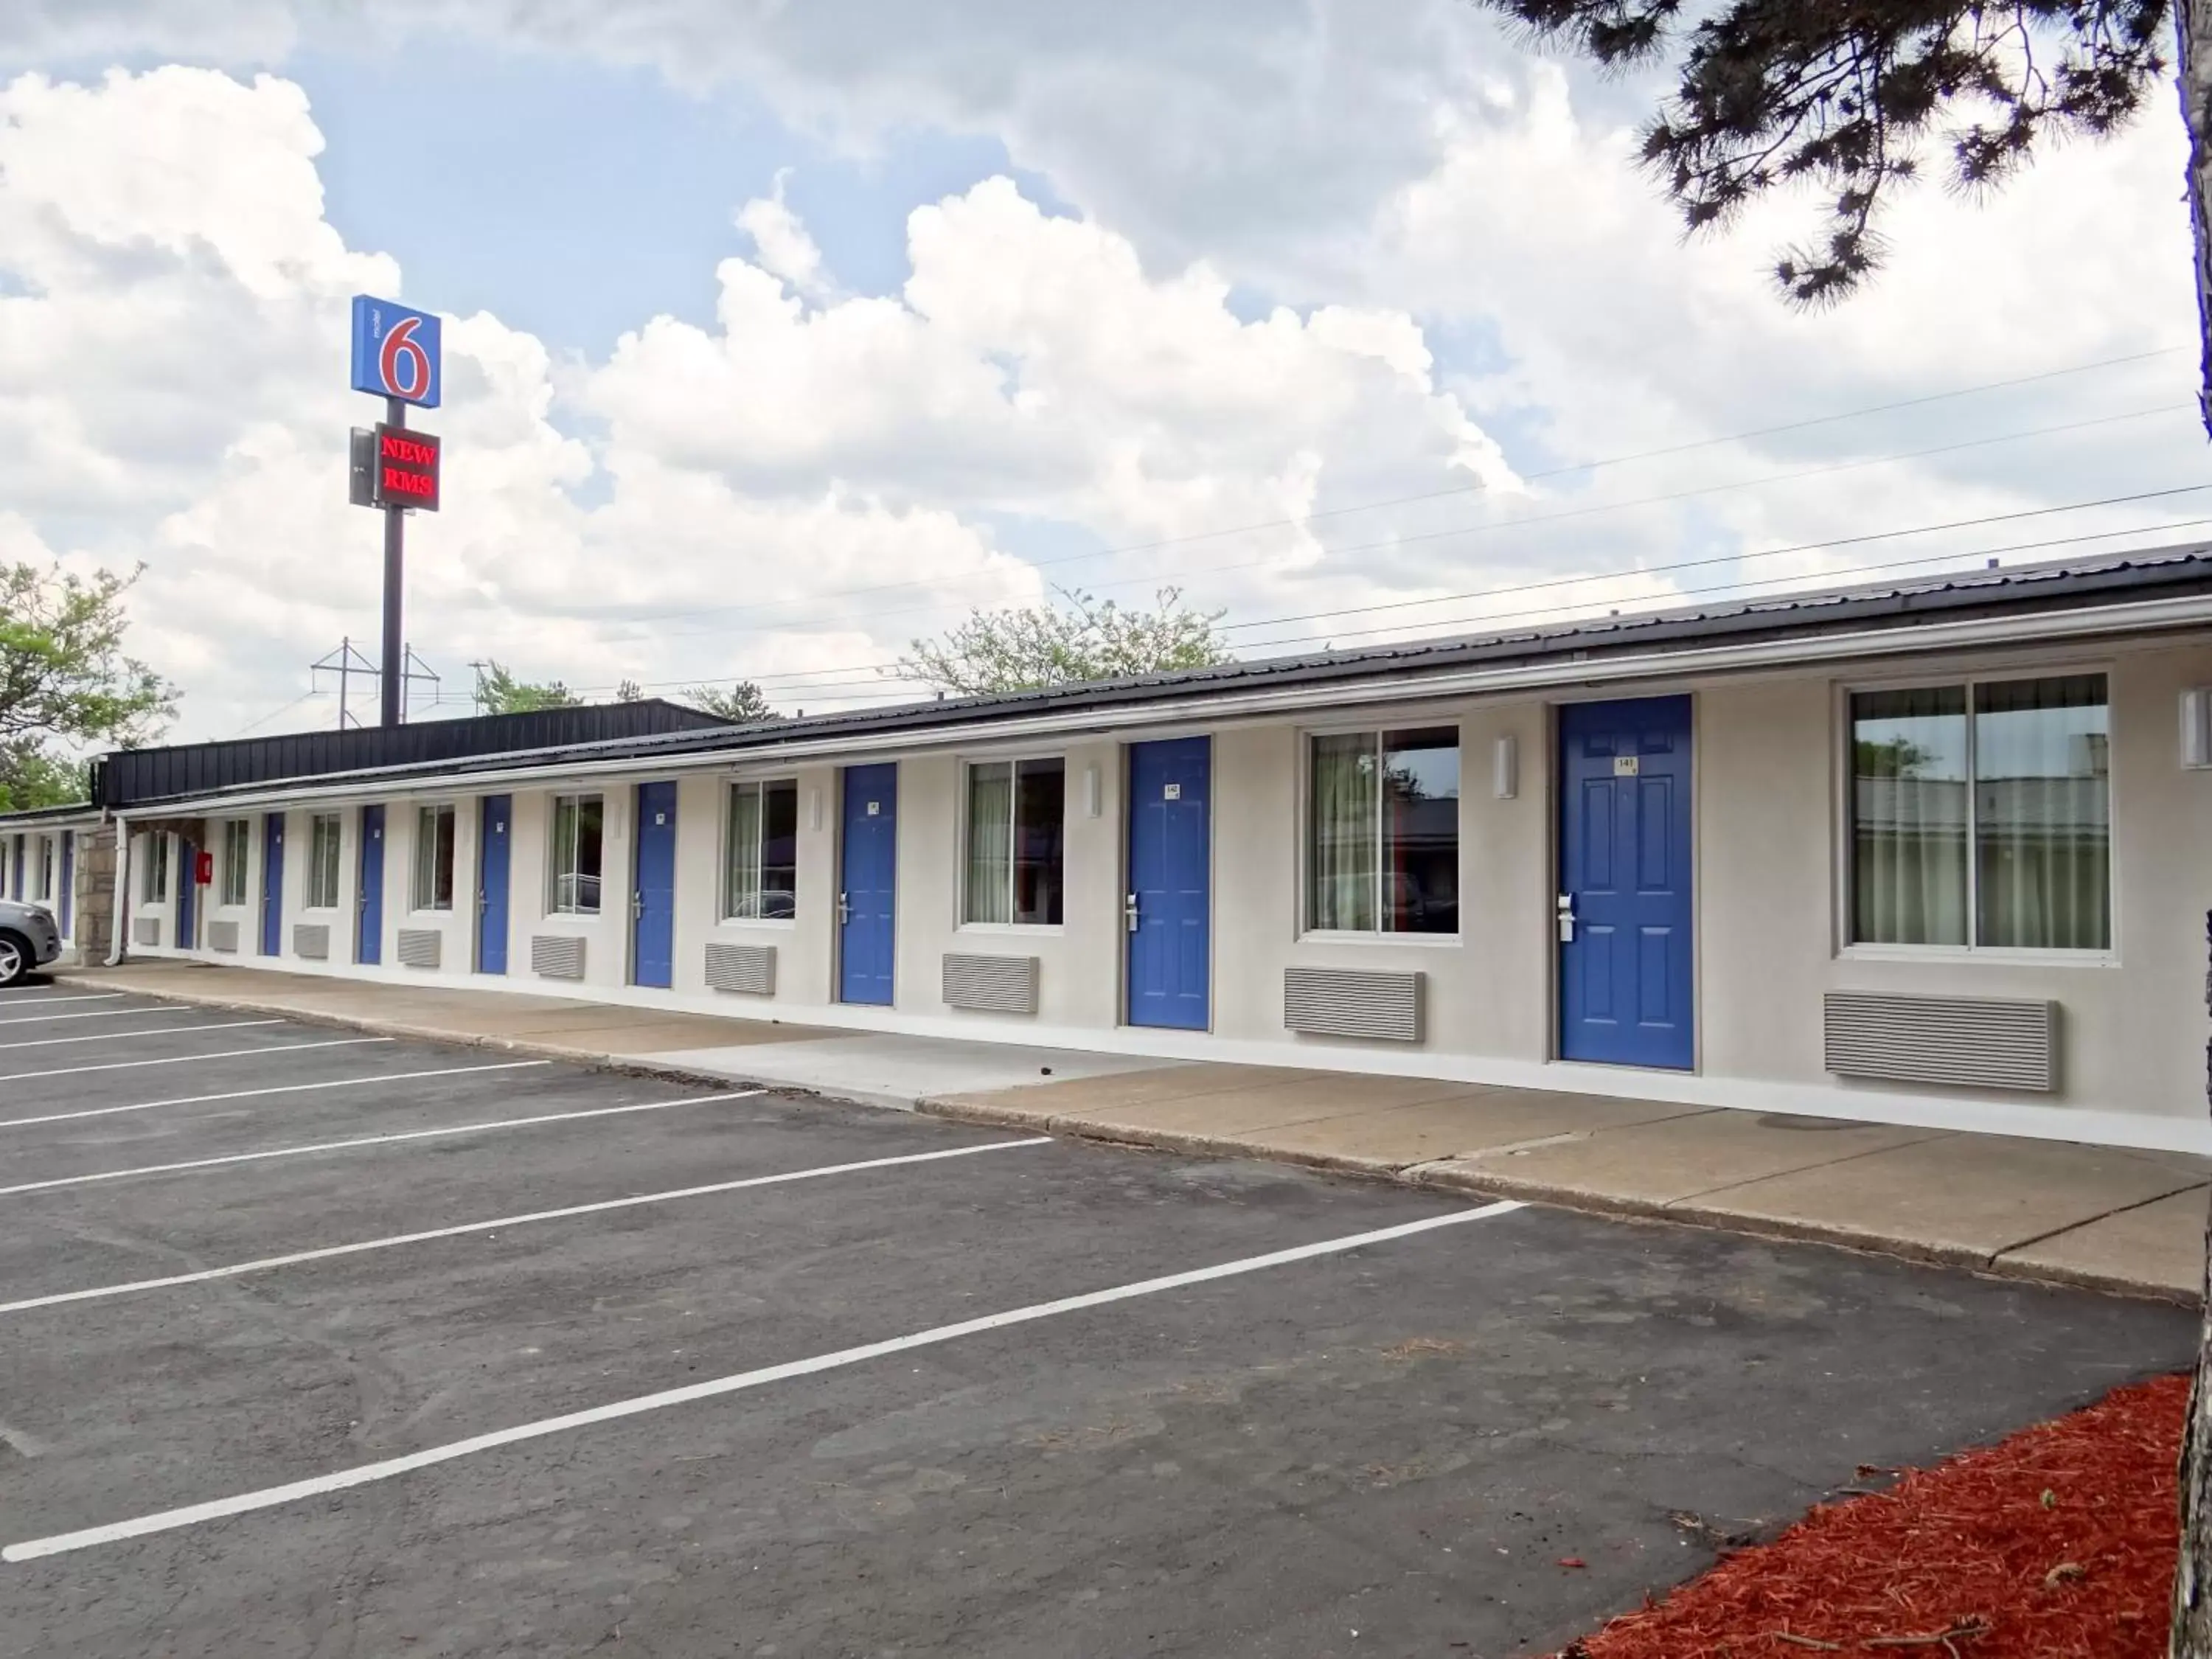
1352	1002
312	939
421	947
996	985
1978	1042
749	967
556	956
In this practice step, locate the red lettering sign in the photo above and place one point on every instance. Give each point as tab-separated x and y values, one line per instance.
407	468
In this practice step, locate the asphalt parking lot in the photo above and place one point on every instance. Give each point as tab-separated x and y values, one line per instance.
315	1344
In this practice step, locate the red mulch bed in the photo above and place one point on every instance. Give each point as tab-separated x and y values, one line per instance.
2058	1543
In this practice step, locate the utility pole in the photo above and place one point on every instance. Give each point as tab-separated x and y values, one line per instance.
393	681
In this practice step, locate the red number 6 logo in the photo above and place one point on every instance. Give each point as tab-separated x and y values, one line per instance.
400	347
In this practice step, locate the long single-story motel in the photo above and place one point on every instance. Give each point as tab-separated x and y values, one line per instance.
1935	852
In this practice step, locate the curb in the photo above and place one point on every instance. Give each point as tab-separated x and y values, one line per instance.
1423	1176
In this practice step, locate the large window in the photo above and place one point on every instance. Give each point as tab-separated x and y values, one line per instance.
763	868
434	858
237	852
154	887
1382	832
1017	830
42	870
1981	815
323	861
579	821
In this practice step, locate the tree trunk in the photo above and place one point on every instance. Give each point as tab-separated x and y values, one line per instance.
2192	32
2191	1634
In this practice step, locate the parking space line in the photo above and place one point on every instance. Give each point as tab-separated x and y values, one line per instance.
97	1013
40	996
373	1140
125	1036
255	1094
462	1229
362	1474
186	1059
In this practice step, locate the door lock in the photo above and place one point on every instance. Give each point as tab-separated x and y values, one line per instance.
1129	912
844	910
1566	918
636	906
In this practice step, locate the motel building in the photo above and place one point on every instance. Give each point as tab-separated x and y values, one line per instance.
1932	852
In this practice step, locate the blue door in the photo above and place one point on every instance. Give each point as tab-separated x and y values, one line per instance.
272	883
867	886
1169	908
1626	967
652	888
494	853
368	937
188	890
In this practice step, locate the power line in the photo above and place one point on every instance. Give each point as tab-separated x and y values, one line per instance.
820	685
1463	489
1502	526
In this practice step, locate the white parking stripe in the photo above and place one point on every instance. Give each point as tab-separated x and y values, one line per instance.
98	1013
125	1036
462	1229
255	1094
362	1474
186	1059
373	1140
40	996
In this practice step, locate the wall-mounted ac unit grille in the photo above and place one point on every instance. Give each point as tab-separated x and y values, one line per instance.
312	939
222	936
421	947
1352	1002
146	930
1979	1043
749	968
556	956
996	985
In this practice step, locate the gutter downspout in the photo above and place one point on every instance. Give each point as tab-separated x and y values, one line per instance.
121	909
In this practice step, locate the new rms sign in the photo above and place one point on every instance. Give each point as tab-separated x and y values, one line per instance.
395	466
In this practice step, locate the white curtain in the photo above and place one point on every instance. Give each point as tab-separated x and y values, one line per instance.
990	842
1909	817
743	886
1341	860
2042	818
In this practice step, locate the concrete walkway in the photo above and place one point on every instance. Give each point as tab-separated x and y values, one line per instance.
2122	1220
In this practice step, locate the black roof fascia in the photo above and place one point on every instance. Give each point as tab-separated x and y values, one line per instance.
131	777
2021	591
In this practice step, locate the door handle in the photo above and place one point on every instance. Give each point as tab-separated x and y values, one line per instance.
844	910
1566	918
1129	913
636	906
482	902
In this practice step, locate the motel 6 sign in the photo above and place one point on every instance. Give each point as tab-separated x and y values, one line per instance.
395	352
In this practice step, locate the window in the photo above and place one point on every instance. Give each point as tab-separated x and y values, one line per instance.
237	854
1382	832
1017	829
577	825
323	861
155	886
1981	815
763	868
434	858
42	876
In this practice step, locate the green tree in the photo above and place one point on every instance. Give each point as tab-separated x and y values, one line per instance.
1076	640
743	702
499	692
65	684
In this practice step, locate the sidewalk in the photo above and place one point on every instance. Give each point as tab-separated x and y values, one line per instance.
2112	1219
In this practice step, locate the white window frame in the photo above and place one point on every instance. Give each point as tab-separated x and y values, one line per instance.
1845	898
1016	759
154	885
730	787
553	872
420	901
44	865
237	863
325	830
1302	900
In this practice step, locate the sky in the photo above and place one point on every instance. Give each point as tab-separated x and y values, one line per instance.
778	337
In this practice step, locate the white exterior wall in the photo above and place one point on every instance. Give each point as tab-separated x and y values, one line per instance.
1769	912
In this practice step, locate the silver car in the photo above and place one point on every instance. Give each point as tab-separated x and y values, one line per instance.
28	939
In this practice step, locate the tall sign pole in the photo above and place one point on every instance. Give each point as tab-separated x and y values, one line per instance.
397	357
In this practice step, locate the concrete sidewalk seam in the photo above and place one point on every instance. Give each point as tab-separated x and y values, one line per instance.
2190	1185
